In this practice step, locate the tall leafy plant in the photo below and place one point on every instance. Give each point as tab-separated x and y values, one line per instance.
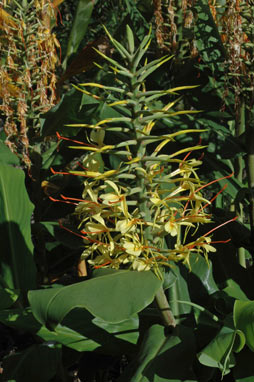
140	215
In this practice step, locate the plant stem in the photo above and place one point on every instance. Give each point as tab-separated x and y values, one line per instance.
164	308
240	129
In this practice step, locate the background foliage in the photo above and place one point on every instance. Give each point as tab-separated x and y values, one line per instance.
119	335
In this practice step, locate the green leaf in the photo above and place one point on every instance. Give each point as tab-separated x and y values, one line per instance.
7	297
219	352
6	156
128	291
243	319
130	39
207	36
17	264
79	26
234	290
82	332
68	110
79	330
200	278
179	291
121	49
163	358
37	363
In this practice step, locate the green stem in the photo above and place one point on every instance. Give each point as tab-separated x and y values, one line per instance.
250	173
240	129
164	308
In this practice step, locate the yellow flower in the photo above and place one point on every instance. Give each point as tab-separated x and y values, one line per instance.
95	228
140	265
132	248
125	226
171	227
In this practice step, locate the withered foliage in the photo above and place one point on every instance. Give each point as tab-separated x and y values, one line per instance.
27	70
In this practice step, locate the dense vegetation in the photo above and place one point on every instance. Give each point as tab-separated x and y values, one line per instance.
126	190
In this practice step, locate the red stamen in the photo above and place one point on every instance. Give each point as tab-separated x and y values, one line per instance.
80	164
207	204
60	16
186	156
68	198
62	201
69	230
220	241
205	185
94	240
59	172
72	140
200	244
214	181
201	156
221	225
102	265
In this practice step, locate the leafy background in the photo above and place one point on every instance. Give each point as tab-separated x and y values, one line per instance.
119	335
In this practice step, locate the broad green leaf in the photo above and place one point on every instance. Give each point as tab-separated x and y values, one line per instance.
37	363
233	289
243	319
82	332
163	358
6	156
79	26
179	291
219	352
17	264
79	330
127	291
200	278
7	297
169	278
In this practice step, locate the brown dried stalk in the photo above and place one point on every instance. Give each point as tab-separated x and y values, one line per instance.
27	74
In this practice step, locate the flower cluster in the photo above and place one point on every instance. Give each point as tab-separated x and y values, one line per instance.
128	213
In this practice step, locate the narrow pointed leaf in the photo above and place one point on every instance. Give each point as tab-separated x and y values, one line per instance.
79	27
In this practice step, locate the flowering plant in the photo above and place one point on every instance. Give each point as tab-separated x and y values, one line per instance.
127	212
141	214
